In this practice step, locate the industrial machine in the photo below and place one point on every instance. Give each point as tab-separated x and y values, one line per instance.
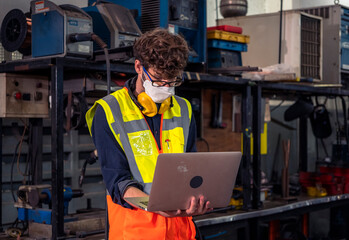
301	41
24	96
184	17
114	24
336	42
51	26
46	32
31	198
34	207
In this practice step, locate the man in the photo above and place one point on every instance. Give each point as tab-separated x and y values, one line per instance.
132	126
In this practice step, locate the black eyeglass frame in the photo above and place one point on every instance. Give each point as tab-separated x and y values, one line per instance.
176	83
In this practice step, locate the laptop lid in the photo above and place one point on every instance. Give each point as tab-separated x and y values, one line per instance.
178	176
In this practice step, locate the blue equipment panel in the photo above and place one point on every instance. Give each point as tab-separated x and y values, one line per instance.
52	26
36	215
47	34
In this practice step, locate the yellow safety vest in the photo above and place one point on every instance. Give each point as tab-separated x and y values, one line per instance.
132	132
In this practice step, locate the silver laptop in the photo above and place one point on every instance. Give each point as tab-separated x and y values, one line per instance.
178	176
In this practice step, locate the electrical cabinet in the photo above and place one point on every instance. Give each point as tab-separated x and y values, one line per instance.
23	96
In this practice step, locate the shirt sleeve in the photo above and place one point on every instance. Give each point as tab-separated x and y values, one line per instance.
114	165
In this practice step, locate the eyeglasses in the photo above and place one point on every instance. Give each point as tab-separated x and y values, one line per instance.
177	81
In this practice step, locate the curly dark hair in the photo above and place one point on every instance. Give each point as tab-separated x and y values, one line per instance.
165	52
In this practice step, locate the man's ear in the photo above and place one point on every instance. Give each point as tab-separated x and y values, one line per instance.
138	67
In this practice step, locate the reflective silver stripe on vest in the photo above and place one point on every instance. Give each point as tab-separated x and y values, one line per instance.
185	119
121	128
172	123
134	126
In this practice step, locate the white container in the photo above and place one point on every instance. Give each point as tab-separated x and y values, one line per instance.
300	49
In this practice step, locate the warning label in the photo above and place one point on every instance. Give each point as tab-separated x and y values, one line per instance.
40	7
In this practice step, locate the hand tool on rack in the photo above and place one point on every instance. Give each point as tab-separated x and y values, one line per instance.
285	181
274	174
217	112
220	112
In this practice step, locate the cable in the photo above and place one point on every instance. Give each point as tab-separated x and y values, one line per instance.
80	37
20	149
337	121
11	174
344	107
324	146
15	231
104	46
107	60
29	157
203	139
17	149
90	160
274	108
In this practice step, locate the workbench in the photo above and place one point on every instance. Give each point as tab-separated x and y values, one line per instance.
272	210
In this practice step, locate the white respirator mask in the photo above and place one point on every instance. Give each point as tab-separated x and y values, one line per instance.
157	94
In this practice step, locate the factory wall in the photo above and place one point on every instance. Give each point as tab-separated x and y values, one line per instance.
267	6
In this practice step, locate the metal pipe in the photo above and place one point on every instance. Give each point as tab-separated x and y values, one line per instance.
57	149
246	120
256	127
216	12
280	33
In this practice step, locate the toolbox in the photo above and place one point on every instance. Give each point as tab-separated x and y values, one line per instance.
228	36
227	28
227	45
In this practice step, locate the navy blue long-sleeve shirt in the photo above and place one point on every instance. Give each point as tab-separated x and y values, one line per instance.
114	165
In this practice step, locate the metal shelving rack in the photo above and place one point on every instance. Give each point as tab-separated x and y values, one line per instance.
282	89
55	67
